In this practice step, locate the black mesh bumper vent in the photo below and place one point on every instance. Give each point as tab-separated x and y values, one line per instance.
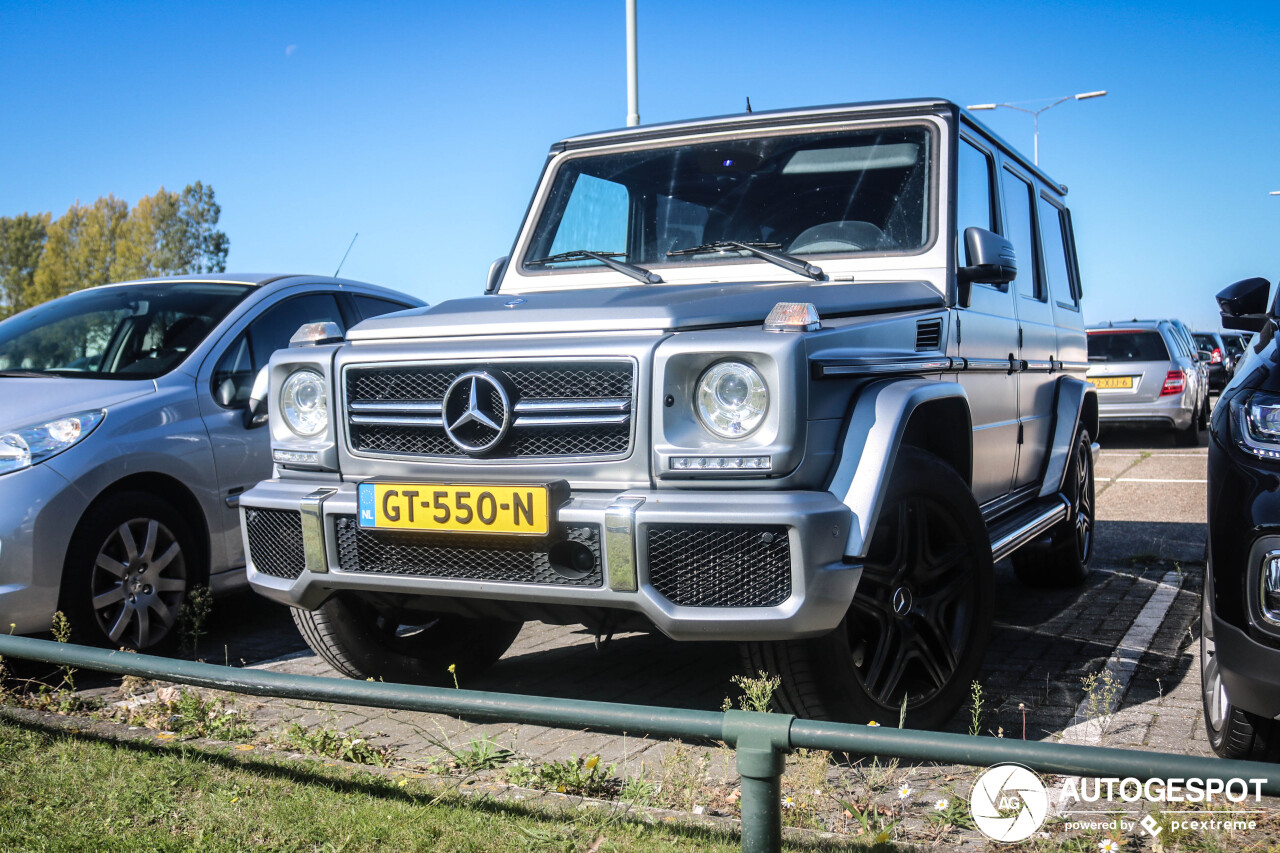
693	565
471	557
275	541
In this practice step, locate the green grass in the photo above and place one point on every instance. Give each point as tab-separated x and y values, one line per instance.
61	790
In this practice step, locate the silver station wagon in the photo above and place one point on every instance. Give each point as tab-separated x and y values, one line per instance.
125	442
1148	375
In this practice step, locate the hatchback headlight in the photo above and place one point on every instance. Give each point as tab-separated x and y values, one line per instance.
1257	418
304	403
22	448
732	399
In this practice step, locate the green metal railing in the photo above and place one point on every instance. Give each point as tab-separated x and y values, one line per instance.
761	741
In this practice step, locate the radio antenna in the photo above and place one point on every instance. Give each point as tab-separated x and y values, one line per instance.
344	255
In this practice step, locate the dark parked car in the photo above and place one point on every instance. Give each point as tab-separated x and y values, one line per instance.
1240	627
1235	347
1219	364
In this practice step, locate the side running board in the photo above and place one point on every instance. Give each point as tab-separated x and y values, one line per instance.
1028	523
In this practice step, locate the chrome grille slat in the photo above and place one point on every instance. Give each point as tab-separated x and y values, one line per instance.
579	409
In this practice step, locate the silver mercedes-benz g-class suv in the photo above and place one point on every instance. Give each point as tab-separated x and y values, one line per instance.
794	379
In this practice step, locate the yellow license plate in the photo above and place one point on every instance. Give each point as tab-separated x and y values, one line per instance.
1112	381
522	510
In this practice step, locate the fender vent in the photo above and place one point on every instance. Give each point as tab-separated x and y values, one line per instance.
928	335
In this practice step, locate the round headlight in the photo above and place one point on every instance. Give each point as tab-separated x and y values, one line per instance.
732	399
304	403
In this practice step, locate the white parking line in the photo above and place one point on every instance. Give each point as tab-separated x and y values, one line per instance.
1154	480
1124	661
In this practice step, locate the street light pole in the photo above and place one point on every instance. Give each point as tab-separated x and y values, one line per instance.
633	68
1035	114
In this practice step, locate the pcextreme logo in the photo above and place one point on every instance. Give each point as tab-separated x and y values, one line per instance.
1009	802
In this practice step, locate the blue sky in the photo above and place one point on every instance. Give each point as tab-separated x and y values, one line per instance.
423	126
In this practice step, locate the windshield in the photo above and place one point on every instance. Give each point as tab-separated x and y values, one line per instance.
120	332
840	193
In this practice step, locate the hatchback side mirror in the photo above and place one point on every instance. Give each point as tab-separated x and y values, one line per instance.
991	260
255	414
1244	305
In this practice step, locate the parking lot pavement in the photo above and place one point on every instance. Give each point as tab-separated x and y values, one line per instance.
1135	620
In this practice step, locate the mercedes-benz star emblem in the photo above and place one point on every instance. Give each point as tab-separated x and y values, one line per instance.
477	412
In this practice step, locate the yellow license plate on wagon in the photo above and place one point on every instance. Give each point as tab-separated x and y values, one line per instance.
522	510
1112	381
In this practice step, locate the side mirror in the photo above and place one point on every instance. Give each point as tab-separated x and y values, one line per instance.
991	260
496	269
1204	355
255	414
1244	305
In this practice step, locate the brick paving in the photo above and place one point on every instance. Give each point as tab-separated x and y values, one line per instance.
1045	642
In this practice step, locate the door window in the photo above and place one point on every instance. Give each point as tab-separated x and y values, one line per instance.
973	192
372	306
1053	243
234	374
1020	232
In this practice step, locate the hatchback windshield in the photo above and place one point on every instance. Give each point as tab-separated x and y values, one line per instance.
118	332
837	193
1127	346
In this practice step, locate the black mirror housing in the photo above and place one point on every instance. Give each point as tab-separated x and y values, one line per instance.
1244	305
991	260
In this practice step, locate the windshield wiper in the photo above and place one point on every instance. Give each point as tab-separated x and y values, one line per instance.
22	374
760	250
606	258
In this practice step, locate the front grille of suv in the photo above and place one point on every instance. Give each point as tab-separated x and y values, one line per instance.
509	559
578	409
731	565
275	541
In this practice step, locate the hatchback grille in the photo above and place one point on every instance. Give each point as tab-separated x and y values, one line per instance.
470	556
558	410
275	541
722	566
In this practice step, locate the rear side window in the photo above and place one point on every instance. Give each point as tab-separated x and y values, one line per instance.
372	306
1127	346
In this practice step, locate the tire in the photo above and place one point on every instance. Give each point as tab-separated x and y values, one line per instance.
1233	733
1063	560
930	554
362	642
131	562
1190	436
1204	418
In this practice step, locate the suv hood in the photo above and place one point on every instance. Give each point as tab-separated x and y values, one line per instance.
652	307
35	400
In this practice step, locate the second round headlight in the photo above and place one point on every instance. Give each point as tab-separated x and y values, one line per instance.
304	403
732	399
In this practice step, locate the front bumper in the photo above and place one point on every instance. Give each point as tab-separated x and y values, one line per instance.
1250	670
38	508
633	573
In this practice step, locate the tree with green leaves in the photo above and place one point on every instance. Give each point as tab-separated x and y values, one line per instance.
172	233
167	233
22	240
81	247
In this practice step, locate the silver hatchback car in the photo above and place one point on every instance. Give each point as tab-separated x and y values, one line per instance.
1147	374
127	439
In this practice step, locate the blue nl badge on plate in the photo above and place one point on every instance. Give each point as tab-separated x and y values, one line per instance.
365	495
